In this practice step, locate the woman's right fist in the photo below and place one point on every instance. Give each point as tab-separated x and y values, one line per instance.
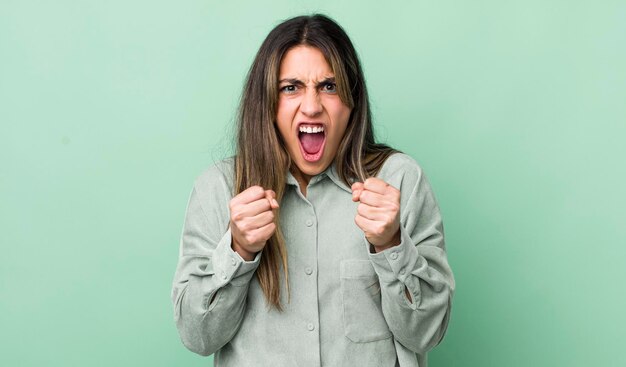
252	220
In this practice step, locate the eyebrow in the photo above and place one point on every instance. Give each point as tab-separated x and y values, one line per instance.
299	82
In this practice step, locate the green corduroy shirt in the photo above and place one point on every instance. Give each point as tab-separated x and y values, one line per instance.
347	306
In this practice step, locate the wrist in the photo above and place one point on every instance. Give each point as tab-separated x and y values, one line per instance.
394	241
245	254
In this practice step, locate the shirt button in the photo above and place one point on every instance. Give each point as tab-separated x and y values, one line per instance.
309	222
394	255
233	262
402	272
310	326
223	275
308	271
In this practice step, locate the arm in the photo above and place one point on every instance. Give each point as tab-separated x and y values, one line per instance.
211	280
418	266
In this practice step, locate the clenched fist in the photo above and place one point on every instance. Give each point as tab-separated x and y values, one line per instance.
252	220
378	213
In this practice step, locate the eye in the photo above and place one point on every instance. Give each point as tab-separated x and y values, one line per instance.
288	89
330	88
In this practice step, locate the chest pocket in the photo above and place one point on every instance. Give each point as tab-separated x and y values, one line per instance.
363	319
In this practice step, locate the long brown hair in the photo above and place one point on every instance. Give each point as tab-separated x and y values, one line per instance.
262	158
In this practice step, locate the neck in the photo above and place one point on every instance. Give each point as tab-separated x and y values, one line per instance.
303	179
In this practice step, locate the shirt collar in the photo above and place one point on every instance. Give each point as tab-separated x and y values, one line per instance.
334	176
330	172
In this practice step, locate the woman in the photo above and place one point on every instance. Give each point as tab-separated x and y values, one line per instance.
313	245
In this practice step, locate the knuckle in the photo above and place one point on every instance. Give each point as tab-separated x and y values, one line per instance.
250	239
234	204
244	226
236	217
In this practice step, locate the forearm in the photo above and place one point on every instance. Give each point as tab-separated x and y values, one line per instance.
416	295
210	304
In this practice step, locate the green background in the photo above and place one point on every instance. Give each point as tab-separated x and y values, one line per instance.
515	110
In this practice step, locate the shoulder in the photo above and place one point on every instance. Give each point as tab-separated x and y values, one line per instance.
401	161
401	171
405	174
216	179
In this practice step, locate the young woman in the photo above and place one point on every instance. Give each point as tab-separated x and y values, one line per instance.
314	245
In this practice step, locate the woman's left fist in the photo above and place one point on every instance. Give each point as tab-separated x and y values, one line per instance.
378	213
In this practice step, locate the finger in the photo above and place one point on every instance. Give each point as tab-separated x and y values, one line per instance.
264	233
373	199
248	195
359	220
357	188
375	184
242	211
258	221
371	212
367	225
271	197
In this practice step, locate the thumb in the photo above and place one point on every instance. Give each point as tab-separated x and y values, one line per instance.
271	197
357	189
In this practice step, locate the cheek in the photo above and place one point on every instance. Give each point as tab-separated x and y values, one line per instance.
340	114
284	117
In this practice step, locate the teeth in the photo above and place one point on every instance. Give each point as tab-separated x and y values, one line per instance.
311	130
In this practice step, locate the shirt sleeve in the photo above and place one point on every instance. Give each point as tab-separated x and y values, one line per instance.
211	280
418	264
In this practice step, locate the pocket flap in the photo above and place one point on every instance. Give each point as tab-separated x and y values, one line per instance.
356	269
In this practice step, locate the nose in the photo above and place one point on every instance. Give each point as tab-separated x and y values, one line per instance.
311	105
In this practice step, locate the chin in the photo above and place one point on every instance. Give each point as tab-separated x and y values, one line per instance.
311	168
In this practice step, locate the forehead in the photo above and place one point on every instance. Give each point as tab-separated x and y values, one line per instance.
304	62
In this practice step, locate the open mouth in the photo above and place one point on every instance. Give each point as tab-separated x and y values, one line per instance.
312	139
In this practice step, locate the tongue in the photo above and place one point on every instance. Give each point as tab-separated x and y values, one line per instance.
312	142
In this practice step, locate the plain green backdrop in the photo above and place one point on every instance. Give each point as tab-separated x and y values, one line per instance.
515	110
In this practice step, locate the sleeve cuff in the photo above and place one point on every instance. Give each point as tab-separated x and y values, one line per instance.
395	262
229	266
